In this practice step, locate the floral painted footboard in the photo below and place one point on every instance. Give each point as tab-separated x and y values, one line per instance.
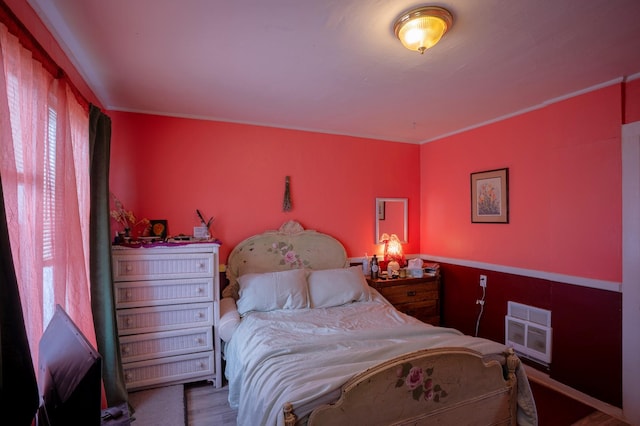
436	386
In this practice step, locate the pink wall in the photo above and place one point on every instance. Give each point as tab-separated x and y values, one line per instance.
166	168
565	200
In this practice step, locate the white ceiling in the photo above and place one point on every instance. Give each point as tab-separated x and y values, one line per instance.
335	66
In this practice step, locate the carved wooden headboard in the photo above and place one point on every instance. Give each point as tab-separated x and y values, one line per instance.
290	247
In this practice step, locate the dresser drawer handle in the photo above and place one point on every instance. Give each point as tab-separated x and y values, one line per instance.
200	314
201	364
129	267
411	293
198	341
201	265
200	290
126	349
128	321
127	295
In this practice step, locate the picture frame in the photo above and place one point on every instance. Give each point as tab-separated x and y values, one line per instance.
490	196
158	228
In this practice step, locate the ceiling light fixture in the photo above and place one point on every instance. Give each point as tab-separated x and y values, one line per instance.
420	29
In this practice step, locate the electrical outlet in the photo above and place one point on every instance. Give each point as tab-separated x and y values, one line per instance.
483	280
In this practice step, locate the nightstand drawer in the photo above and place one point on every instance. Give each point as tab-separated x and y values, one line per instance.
397	294
418	297
427	311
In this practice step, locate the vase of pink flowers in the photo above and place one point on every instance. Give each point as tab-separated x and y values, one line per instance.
127	219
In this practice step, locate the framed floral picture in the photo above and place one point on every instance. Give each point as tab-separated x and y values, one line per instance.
490	196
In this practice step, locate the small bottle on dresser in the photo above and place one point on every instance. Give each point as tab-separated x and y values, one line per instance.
365	265
374	268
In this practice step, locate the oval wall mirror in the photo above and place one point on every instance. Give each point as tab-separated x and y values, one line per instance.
391	218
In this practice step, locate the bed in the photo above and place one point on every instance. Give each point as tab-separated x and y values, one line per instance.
307	341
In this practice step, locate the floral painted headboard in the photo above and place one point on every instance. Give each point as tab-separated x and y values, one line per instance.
290	247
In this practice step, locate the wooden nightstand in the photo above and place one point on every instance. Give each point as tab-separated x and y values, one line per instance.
418	297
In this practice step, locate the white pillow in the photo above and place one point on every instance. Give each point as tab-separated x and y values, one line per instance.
229	318
335	287
273	290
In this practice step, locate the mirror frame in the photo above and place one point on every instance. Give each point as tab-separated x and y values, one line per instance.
405	235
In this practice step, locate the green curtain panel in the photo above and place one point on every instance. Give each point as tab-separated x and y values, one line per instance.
19	397
102	299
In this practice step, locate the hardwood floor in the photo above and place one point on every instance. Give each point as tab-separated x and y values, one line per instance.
208	406
600	419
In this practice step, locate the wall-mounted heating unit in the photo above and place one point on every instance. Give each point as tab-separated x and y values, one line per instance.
528	331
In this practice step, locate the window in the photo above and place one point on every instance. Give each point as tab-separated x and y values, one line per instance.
45	175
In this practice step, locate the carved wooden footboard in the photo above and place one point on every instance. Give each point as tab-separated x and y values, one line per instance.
447	386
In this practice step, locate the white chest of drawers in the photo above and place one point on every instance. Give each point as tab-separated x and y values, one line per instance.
167	310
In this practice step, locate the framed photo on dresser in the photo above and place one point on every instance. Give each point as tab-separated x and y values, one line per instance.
158	228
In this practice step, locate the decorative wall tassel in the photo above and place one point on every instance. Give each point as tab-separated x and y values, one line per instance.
286	203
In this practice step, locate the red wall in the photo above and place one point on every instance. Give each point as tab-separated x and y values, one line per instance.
565	204
166	168
631	95
565	196
586	323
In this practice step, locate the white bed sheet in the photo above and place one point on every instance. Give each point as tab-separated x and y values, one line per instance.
304	356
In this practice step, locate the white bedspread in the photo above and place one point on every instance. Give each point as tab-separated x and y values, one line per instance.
304	356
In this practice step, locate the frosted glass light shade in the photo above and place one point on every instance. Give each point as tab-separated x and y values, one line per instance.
420	29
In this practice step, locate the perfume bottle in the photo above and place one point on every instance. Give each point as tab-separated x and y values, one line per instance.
374	268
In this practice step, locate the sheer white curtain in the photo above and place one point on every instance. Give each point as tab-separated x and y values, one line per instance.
44	164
